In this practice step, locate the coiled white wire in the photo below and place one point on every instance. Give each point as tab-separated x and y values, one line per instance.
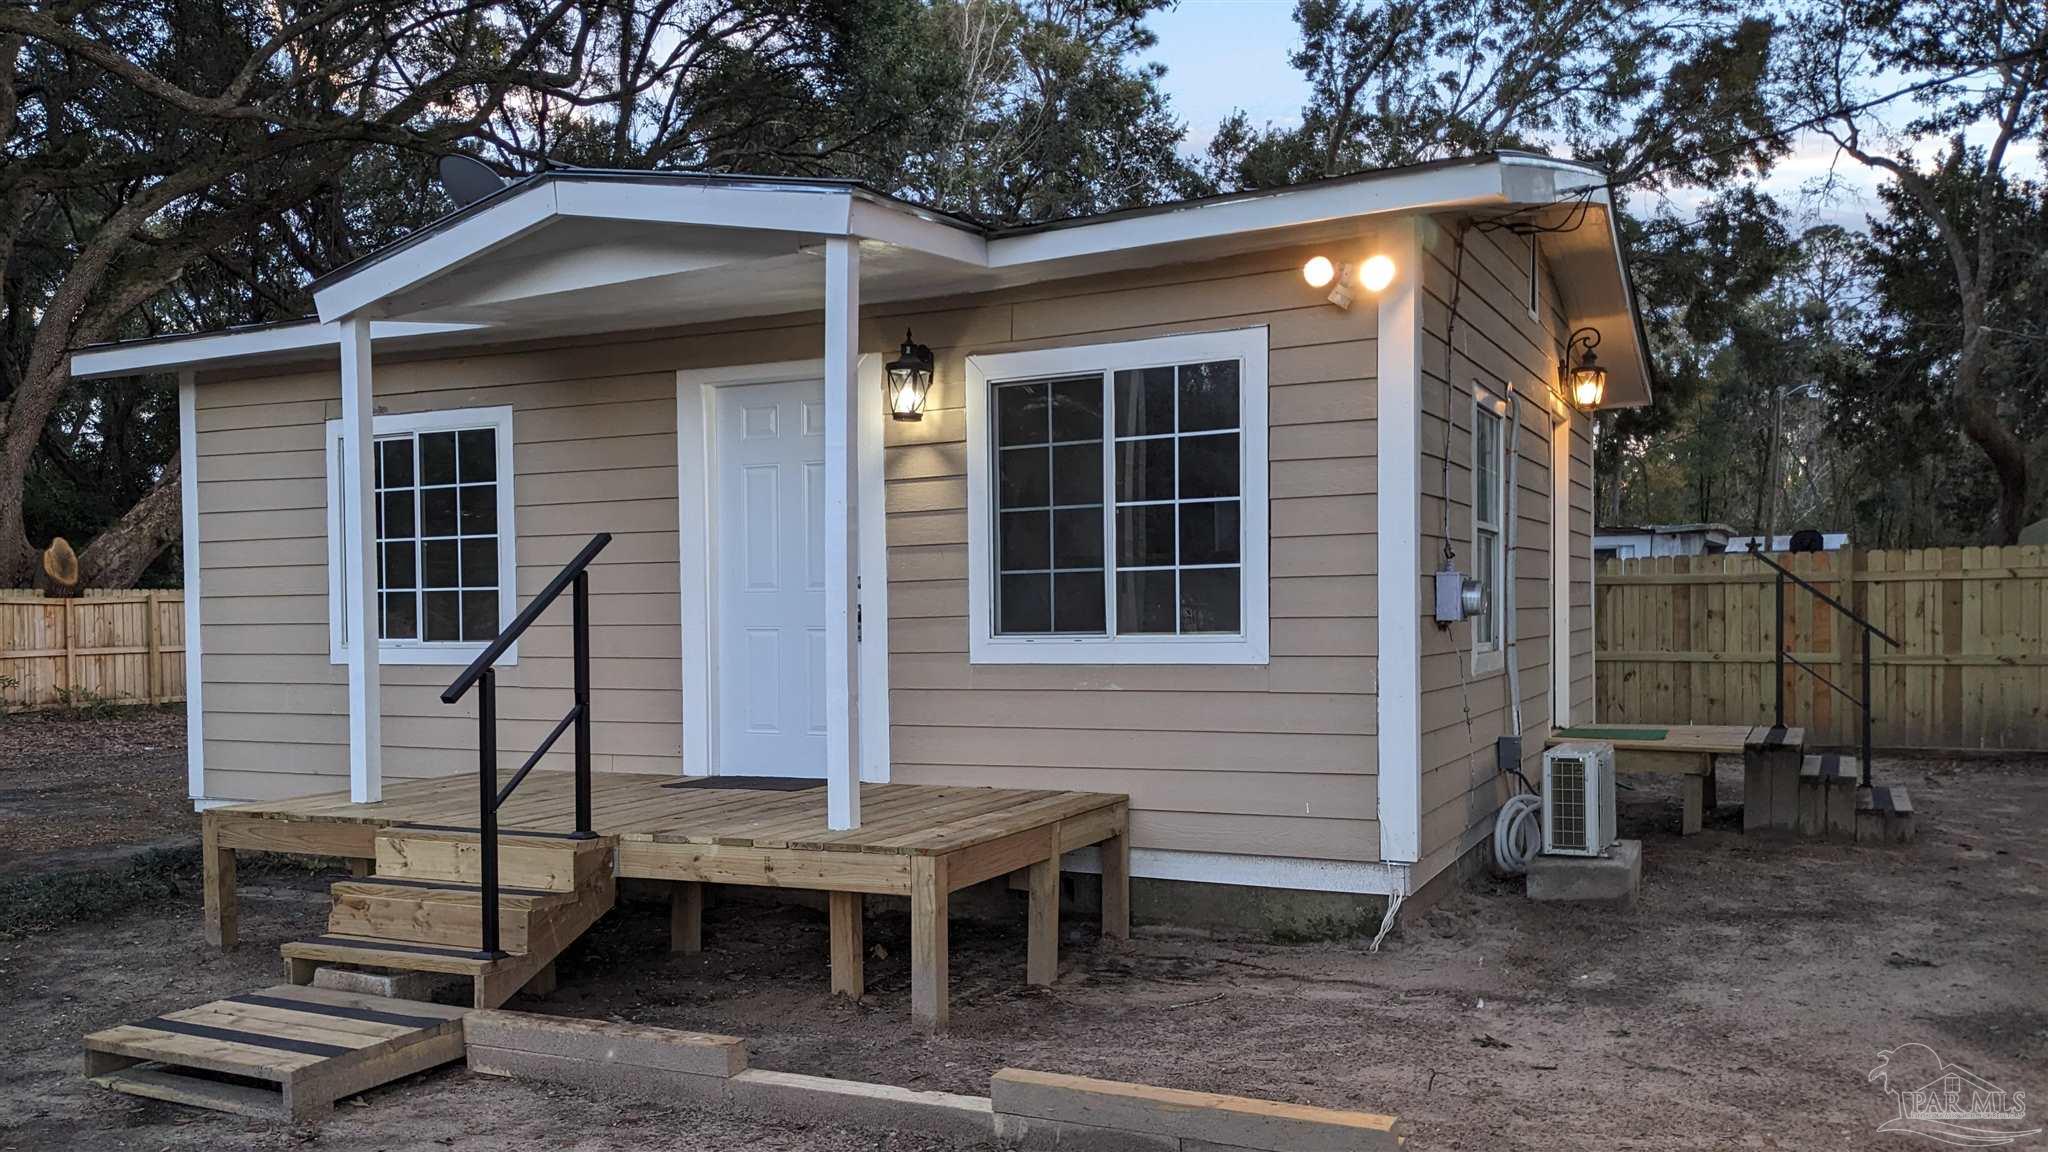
1517	835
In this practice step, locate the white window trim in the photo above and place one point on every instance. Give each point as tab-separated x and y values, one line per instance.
1489	657
1251	646
422	652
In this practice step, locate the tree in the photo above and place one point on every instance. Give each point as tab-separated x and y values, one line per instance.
173	166
144	138
1988	61
1658	94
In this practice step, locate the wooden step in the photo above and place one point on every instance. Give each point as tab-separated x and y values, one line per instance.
1884	814
1827	795
293	1051
428	913
382	952
543	863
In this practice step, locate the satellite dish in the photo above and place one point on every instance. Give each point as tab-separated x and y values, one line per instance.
468	179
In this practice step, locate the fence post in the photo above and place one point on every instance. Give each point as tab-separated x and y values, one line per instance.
70	647
153	676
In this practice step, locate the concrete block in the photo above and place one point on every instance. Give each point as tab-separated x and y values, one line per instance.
392	986
821	1100
1614	879
636	1080
1032	1134
603	1041
1143	1109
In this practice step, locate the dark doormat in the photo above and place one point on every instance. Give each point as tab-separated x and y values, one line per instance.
749	783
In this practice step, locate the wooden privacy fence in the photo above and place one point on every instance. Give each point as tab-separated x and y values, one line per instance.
1691	640
127	647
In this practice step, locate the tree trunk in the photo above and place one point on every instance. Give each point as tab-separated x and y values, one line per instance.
1981	424
117	557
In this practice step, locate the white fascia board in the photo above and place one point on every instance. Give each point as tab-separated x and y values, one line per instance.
821	211
908	228
438	253
1285	208
282	341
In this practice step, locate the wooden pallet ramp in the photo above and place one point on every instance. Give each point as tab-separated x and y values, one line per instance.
283	1053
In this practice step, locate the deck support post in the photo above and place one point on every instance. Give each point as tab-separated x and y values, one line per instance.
1042	946
223	911
1116	884
930	998
686	918
842	540
849	978
359	563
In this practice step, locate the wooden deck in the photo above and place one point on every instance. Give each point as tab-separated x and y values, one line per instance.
919	841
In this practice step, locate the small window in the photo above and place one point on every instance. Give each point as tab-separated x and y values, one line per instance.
1488	498
1119	493
445	571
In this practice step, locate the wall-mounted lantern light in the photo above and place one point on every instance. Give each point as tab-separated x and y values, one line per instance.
908	380
1587	381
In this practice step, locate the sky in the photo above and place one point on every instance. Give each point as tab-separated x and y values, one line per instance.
1222	55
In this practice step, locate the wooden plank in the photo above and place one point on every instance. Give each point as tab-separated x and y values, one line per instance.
1042	947
1116	881
1230	1121
686	918
766	867
930	1002
992	858
848	945
222	910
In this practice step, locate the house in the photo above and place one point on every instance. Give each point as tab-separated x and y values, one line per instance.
1631	541
1164	525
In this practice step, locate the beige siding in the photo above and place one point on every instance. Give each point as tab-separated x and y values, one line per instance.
1503	348
1276	760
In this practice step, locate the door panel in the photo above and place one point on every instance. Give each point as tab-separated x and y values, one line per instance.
769	478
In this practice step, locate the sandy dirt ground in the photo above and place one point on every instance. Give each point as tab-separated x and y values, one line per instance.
1742	1005
70	782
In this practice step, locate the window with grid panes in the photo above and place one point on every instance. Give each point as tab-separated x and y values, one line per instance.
443	550
1118	502
437	535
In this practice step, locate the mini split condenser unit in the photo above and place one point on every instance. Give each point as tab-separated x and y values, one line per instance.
1578	799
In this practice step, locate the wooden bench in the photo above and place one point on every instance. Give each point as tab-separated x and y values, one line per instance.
1685	750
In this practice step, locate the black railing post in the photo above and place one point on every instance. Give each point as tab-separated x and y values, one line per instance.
581	628
1781	648
1866	709
487	812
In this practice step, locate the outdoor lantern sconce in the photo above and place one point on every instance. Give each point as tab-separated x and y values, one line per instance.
1588	381
908	380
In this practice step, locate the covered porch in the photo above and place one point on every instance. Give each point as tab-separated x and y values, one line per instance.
916	841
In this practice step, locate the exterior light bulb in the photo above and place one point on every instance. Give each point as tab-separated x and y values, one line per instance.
1377	273
1319	271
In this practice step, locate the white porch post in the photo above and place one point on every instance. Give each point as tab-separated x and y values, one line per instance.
1561	572
842	540
359	563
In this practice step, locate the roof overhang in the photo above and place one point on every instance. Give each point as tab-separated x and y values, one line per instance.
574	251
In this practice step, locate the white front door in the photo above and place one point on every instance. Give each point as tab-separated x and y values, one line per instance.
770	565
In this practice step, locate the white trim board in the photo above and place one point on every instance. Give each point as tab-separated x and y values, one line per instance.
1252	644
695	519
1398	468
1364	877
1561	572
188	515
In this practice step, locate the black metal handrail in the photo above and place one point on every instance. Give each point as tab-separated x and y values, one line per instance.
482	674
1869	630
